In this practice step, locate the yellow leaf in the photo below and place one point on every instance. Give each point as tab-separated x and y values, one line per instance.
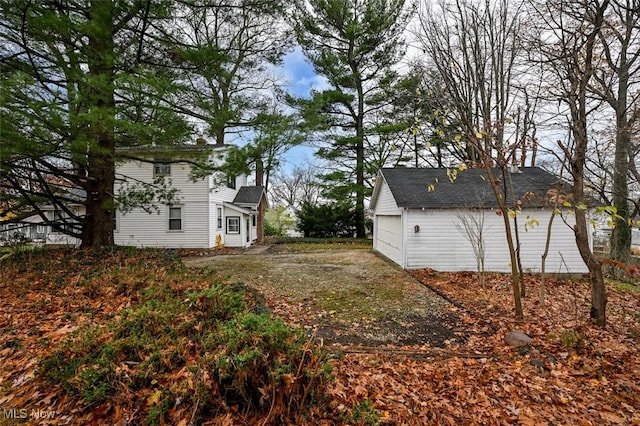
457	138
566	204
512	213
437	180
479	135
154	399
462	167
431	188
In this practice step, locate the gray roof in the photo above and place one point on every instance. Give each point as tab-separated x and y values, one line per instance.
249	195
433	189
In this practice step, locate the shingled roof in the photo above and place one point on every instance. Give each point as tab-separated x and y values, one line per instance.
249	195
433	189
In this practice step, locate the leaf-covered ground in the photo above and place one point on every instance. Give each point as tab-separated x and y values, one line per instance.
575	373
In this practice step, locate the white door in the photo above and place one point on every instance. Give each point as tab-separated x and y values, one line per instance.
388	237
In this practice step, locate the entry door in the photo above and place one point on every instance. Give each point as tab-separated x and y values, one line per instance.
248	230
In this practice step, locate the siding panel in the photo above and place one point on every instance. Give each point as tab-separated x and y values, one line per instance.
143	229
386	204
440	245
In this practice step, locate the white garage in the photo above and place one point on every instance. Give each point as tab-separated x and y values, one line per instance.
416	214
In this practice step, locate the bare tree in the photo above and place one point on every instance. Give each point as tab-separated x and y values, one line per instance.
619	45
471	227
296	188
475	48
567	37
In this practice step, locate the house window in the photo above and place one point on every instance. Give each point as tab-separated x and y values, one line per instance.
231	181
161	168
253	220
115	220
219	217
233	225
175	218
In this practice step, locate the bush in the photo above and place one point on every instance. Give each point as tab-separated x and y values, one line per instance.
327	220
266	363
213	347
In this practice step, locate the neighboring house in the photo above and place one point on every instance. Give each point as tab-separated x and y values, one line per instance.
33	229
208	208
416	221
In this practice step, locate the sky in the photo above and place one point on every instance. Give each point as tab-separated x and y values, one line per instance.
300	79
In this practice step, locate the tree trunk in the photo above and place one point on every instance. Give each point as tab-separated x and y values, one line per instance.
543	266
261	206
504	212
360	220
97	228
580	73
621	236
581	229
523	289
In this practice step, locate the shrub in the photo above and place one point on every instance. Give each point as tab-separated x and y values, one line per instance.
213	347
265	363
327	220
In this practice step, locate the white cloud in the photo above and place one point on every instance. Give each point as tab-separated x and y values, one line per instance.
299	75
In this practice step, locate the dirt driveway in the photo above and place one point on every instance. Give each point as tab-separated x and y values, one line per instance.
344	296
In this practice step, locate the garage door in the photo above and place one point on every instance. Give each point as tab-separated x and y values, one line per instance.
388	237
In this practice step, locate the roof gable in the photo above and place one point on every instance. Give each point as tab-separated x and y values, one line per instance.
433	188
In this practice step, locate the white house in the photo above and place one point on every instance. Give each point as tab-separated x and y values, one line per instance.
206	209
416	219
34	229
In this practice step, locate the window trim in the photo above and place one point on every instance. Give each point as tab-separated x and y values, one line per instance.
229	225
161	168
170	219
231	181
219	219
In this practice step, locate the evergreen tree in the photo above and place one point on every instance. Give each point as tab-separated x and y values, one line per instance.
79	79
354	44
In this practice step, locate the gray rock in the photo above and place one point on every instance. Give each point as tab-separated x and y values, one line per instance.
551	359
517	339
538	364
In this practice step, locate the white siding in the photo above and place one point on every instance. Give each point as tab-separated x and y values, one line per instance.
385	203
387	225
142	229
439	244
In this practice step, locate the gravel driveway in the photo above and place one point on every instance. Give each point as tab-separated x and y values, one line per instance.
344	296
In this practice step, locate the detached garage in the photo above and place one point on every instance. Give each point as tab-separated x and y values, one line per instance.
417	216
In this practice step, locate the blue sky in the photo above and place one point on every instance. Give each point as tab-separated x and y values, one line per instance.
300	79
299	75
